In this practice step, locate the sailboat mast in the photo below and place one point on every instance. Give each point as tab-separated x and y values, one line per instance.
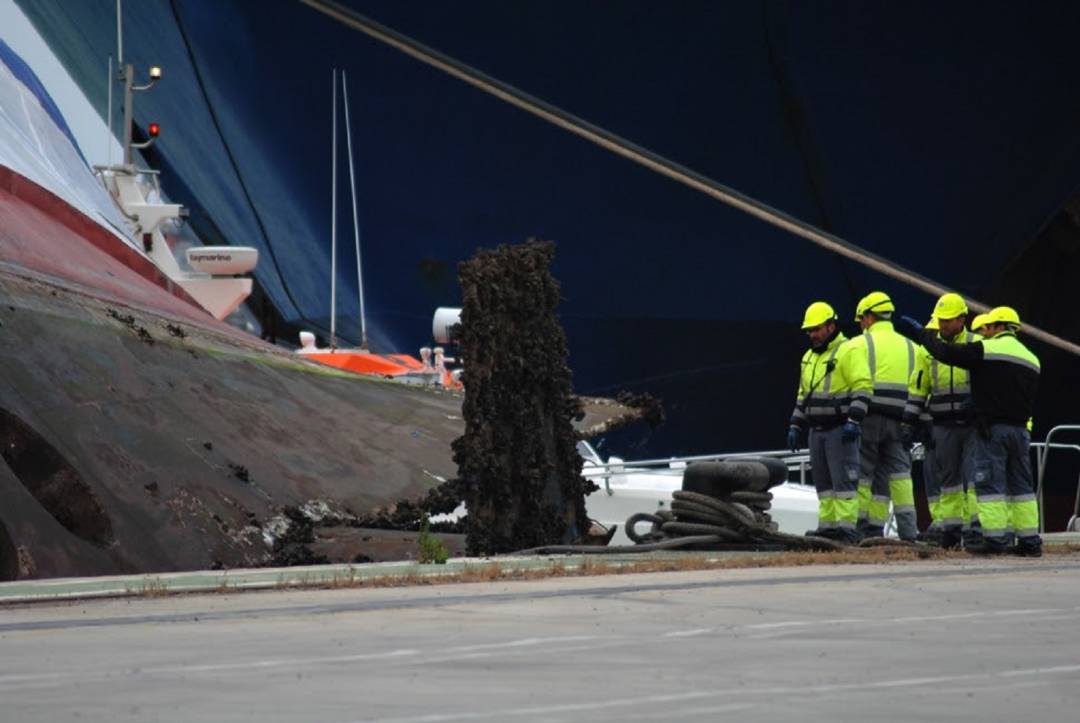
356	222
333	210
108	113
120	66
119	34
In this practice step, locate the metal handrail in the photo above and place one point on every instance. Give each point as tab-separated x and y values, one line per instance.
606	470
800	462
1042	449
1042	453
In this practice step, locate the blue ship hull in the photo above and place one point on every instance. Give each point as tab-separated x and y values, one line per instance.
944	137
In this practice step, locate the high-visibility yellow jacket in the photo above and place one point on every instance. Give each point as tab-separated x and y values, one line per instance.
834	386
941	390
891	359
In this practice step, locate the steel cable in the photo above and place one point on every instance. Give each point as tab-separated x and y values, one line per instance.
649	159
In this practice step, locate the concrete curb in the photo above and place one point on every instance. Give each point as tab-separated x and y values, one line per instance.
59	589
84	588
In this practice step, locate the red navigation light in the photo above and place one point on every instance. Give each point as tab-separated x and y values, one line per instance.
154	130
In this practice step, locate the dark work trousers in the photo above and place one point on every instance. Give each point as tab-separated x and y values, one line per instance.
1004	487
954	450
886	476
834	466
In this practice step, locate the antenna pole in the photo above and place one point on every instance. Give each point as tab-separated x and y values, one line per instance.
127	74
119	35
129	101
333	210
108	116
356	222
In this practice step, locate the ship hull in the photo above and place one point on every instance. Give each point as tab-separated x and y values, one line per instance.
137	440
946	147
817	111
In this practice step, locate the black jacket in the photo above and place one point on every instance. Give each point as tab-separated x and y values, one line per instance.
1004	375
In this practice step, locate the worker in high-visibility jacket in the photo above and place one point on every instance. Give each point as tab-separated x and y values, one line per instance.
1004	381
832	400
978	325
886	460
945	392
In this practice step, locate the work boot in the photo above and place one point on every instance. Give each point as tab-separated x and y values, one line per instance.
985	548
1026	550
872	531
951	539
931	536
1027	547
847	536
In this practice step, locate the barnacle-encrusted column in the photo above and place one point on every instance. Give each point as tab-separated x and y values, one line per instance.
517	460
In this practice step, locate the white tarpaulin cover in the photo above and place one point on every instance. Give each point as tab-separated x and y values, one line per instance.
35	143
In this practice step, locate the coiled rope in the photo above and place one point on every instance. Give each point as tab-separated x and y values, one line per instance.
734	521
736	517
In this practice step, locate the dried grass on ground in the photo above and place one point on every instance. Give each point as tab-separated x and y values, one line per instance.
592	566
595	566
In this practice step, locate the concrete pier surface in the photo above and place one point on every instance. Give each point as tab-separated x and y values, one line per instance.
937	640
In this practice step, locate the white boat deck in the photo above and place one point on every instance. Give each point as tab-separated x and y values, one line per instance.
629	487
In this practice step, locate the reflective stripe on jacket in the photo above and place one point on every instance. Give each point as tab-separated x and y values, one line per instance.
891	359
834	385
1004	375
941	390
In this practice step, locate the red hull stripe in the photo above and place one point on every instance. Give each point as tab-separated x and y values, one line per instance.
42	232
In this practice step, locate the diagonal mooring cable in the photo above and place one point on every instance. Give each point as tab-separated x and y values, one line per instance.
649	159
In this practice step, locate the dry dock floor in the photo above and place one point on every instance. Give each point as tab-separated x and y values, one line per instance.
936	640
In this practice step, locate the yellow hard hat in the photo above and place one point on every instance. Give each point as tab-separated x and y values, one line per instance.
978	322
817	314
932	324
1003	315
950	306
875	301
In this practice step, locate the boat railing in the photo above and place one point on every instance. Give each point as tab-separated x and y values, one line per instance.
796	462
800	462
1042	454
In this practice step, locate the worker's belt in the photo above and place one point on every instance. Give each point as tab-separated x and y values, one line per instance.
826	427
889	400
953	419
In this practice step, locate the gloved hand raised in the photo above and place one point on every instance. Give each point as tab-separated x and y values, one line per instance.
906	326
851	431
794	438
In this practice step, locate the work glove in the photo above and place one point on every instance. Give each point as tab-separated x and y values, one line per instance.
850	431
794	438
906	326
908	434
